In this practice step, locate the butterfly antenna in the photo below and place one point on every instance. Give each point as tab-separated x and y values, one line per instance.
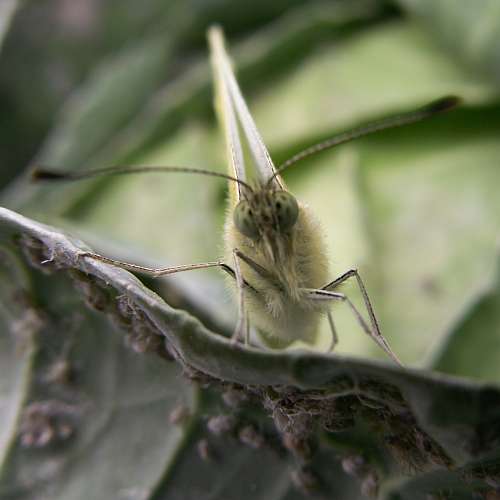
47	174
436	107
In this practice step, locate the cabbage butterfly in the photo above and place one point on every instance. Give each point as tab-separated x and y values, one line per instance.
274	250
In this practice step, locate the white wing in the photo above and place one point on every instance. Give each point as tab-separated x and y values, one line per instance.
225	109
231	100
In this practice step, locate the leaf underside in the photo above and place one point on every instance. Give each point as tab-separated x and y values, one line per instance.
422	419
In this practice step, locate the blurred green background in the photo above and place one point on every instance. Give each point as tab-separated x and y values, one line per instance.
89	83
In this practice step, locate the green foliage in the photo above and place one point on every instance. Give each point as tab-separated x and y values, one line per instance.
416	210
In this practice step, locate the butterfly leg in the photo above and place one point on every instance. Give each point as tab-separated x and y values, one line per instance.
163	271
153	271
242	330
375	328
255	266
335	337
322	294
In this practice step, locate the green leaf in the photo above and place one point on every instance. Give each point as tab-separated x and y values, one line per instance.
473	345
19	325
384	68
451	413
94	113
90	406
416	210
468	30
7	11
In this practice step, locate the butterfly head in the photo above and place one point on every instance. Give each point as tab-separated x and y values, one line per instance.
267	216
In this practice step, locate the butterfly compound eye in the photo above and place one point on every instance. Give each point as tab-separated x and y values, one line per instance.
287	210
244	220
